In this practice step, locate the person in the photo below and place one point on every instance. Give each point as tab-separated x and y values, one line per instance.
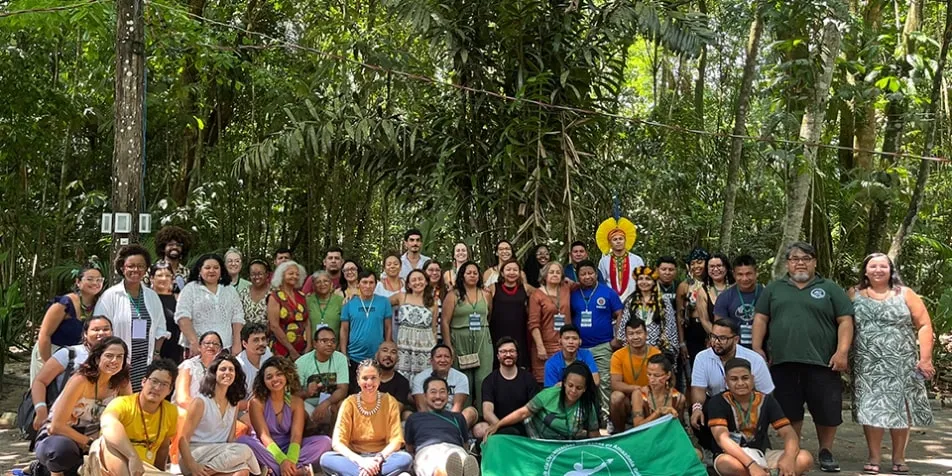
569	352
208	303
659	397
365	322
646	304
628	371
740	419
160	277
460	256
137	429
172	245
391	280
615	238
441	361
719	278
563	412
233	265
281	255
466	327
810	325
510	316
63	322
392	382
707	378
577	254
549	310
73	422
288	319
192	370
278	417
333	258
436	437
437	283
412	258
255	351
367	436
207	443
891	360
668	282
416	312
349	285
323	304
130	307
95	330
695	334
737	301
324	377
503	253
254	298
536	259
508	388
595	311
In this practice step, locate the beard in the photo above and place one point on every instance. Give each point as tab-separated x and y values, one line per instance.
173	254
800	277
724	351
388	366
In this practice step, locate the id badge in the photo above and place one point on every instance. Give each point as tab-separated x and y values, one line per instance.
475	322
138	329
585	319
559	321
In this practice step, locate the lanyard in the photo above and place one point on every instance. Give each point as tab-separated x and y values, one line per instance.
558	302
323	310
367	308
590	295
644	360
654	404
135	305
473	304
145	428
740	295
745	416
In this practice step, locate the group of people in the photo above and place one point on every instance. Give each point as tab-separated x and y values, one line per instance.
407	371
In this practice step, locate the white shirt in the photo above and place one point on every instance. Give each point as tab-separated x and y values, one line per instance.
209	311
213	427
406	267
116	305
709	371
456	380
249	369
606	266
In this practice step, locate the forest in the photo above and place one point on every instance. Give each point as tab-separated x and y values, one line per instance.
737	126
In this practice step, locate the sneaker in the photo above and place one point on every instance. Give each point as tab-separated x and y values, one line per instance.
828	463
470	466
454	465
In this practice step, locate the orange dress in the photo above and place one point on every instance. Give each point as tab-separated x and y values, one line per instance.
293	317
542	311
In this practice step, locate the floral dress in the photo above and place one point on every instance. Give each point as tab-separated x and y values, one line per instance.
415	339
255	311
293	318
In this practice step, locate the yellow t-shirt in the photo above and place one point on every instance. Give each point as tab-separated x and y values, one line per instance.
632	368
160	425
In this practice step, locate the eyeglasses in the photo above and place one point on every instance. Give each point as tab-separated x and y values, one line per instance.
135	267
800	259
350	270
326	341
94	280
258	275
507	352
174	243
159	384
716	266
233	261
211	345
720	339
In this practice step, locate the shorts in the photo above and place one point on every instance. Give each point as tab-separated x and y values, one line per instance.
820	388
768	460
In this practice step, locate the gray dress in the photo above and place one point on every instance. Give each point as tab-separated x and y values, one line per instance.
884	357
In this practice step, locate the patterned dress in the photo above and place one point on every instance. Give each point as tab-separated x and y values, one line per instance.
293	317
884	357
255	311
415	339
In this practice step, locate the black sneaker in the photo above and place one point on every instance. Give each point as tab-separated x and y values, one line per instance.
828	463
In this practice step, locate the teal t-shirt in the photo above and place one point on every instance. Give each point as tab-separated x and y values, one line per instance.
366	320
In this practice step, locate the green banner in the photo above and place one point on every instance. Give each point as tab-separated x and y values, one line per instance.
660	448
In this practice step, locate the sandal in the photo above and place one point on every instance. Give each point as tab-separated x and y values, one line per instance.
900	468
870	468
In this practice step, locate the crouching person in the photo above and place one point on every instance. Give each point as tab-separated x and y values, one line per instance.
436	437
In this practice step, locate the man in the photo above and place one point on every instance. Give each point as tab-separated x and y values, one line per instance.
254	341
667	268
707	379
615	237
441	359
364	322
392	382
324	377
171	246
508	388
137	429
577	254
436	437
628	372
569	341
810	323
737	302
333	260
412	259
740	419
281	255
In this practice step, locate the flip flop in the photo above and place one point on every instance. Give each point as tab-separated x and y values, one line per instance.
870	468
900	468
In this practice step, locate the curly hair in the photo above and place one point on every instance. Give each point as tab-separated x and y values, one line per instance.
236	391
90	368
172	233
286	367
125	252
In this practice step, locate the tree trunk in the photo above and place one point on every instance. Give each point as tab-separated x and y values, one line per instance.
740	126
130	101
847	127
800	175
866	106
701	73
925	166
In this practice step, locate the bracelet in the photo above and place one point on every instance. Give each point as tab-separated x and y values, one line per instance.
684	346
696	406
37	406
747	466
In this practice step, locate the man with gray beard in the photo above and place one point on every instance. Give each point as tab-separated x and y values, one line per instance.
809	321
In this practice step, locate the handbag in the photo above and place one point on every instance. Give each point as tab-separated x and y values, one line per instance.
470	361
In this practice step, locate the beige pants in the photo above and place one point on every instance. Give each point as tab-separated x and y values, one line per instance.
768	460
95	466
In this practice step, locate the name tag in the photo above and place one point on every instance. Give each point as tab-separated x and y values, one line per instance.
475	322
585	319
559	321
139	329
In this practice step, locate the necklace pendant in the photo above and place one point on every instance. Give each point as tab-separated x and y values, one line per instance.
149	455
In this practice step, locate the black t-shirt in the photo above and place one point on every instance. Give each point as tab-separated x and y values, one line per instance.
429	428
748	429
508	396
398	387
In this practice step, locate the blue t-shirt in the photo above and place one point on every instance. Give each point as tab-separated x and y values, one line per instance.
556	364
602	302
366	325
739	307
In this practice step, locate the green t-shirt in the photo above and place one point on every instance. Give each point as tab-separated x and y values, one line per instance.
325	312
803	324
550	422
331	373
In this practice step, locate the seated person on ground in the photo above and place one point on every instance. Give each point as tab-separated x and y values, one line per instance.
569	342
441	358
508	388
437	437
659	398
629	372
391	381
254	342
324	378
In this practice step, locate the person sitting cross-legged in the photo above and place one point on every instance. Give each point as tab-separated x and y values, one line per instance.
739	419
569	342
437	437
325	378
441	358
508	388
629	372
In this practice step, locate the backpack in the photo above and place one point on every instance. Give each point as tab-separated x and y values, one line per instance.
26	413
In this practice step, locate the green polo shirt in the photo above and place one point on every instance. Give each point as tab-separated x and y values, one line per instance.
803	324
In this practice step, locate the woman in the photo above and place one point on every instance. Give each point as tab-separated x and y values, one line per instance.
437	282
718	278
63	322
288	319
95	329
503	254
687	297
659	316
466	328
416	310
368	434
510	312
208	303
548	312
135	311
390	282
192	370
889	372
460	256
563	412
659	398
348	285
161	280
278	416
537	258
254	298
233	265
324	305
206	445
74	418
